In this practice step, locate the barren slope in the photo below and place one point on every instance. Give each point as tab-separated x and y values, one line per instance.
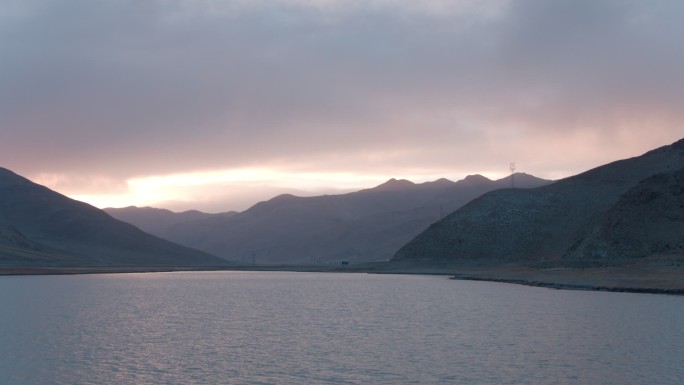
537	225
41	227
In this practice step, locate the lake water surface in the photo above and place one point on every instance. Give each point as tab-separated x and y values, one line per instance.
316	328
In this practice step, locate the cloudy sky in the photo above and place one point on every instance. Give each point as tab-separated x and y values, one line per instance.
215	105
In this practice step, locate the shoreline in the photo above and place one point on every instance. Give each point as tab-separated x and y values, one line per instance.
626	279
571	286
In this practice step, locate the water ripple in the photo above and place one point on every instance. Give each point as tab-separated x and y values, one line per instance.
294	328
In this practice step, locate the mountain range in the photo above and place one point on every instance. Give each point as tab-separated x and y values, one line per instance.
616	227
160	221
363	226
611	215
40	227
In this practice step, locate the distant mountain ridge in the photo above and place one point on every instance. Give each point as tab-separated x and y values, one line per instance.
584	219
39	227
159	221
367	225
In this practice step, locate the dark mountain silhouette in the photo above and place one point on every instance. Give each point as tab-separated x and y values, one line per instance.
619	210
39	227
159	221
368	225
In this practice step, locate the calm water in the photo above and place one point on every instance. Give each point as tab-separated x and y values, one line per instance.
308	328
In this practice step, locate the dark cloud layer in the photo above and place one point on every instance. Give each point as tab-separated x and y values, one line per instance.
133	88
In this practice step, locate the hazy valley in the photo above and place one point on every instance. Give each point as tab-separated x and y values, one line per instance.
39	227
625	219
364	226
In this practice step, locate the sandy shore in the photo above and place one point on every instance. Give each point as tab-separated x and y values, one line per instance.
600	279
633	278
637	278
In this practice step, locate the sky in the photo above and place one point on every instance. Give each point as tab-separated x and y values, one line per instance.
215	105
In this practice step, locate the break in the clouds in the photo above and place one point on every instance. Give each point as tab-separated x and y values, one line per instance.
97	96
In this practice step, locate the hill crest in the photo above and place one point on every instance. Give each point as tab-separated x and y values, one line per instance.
537	225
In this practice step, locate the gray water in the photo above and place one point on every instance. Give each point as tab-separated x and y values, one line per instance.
314	328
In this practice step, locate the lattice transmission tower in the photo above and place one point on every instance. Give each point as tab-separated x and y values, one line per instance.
512	167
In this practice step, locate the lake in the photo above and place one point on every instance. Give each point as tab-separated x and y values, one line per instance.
318	328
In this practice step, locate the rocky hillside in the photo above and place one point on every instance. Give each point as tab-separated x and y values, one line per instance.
39	227
647	220
574	219
368	225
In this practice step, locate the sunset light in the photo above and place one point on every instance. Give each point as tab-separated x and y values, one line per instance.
238	188
342	191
